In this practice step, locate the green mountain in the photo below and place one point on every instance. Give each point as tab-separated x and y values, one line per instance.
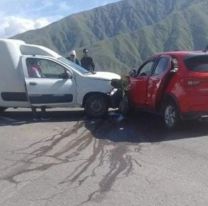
121	35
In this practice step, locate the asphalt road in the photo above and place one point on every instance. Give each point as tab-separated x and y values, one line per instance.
69	160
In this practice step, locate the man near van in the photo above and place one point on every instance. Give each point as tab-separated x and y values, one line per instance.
73	57
87	61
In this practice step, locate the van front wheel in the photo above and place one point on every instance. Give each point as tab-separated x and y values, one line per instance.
96	105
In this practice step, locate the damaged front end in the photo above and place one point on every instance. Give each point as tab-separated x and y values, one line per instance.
119	92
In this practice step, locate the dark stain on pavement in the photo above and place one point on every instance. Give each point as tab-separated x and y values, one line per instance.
87	135
26	164
108	146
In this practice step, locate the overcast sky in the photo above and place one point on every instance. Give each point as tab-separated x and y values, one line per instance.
17	16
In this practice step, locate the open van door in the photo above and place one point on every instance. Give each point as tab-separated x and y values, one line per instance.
48	82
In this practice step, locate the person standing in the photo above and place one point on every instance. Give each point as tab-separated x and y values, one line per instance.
87	61
73	57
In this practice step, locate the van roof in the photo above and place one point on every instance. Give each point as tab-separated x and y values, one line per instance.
19	47
12	41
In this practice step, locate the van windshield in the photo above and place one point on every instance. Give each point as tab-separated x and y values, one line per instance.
197	63
73	65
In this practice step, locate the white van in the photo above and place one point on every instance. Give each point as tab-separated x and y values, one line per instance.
60	82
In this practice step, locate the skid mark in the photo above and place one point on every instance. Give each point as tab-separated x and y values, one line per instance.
98	140
24	165
117	156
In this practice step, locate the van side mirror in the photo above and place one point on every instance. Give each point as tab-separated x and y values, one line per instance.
67	75
133	73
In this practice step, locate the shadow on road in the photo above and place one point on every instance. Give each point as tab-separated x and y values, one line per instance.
16	117
108	144
141	127
145	127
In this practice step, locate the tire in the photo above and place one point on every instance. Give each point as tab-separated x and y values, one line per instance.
2	109
96	105
170	115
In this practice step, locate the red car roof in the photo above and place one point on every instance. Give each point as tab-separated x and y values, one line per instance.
182	53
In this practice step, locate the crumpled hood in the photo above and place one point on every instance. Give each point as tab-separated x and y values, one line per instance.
104	75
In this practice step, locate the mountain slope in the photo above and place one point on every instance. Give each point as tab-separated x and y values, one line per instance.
181	30
122	34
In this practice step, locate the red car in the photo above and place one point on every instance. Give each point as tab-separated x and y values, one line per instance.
173	84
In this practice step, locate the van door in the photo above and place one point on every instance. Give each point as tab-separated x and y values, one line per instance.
48	83
158	81
138	84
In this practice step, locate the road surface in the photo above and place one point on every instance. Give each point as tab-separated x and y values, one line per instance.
70	160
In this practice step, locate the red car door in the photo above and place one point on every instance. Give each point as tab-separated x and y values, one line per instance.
158	81
138	84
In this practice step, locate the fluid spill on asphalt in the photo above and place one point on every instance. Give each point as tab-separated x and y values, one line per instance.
120	161
24	165
106	142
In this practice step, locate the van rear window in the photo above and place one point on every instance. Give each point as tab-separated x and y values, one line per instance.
197	63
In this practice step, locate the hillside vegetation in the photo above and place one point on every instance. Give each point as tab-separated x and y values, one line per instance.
121	35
